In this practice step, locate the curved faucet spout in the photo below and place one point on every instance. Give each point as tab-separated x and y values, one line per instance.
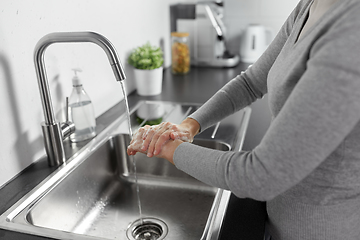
70	37
53	143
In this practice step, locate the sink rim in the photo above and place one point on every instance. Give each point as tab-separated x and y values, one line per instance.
21	207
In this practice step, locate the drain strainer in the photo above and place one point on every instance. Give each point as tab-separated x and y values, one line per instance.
147	229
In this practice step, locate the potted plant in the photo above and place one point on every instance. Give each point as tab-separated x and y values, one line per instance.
147	61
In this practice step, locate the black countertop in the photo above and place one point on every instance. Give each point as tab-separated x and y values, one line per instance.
244	218
195	87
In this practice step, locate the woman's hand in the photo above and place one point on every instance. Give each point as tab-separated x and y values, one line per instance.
150	140
137	141
156	137
168	147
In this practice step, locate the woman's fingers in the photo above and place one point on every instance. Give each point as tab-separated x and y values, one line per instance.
147	138
137	141
159	137
164	138
182	134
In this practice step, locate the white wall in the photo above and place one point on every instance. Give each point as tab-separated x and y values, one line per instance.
127	24
123	22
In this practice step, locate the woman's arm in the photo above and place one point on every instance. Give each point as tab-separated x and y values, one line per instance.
320	112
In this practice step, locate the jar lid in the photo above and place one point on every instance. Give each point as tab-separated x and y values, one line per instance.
179	34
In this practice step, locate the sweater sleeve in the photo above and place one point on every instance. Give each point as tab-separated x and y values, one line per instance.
249	85
322	109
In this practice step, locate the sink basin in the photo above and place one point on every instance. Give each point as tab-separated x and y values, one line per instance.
99	198
95	195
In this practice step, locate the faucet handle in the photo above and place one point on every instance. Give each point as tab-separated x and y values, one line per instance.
68	127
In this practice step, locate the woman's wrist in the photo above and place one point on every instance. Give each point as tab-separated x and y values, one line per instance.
192	125
169	149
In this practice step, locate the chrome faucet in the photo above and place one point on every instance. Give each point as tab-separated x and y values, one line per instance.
54	132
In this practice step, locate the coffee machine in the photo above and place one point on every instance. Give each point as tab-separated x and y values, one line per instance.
207	33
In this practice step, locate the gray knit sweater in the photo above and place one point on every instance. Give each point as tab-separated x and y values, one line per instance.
307	166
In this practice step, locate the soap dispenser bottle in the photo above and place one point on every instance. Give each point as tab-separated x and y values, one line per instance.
81	111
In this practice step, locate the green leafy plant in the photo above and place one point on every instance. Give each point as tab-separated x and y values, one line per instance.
149	122
146	57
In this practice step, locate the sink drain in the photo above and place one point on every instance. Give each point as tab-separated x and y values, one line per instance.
147	229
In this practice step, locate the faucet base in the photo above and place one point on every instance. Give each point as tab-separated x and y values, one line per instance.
53	144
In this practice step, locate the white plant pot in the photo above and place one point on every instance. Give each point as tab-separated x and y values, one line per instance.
148	82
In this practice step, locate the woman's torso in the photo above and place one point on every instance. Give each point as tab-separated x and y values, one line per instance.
326	204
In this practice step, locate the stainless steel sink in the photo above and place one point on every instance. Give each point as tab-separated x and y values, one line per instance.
94	196
100	198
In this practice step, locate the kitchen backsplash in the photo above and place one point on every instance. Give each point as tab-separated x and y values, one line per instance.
123	22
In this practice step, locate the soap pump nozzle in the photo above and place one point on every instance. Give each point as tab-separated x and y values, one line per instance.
76	80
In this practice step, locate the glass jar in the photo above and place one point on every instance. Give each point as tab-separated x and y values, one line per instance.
180	52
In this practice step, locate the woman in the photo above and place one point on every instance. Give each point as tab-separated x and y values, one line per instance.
307	166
